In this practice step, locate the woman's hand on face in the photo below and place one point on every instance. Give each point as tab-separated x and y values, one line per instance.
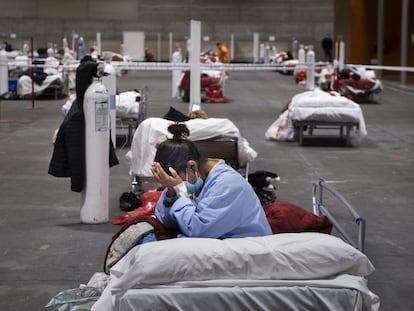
163	178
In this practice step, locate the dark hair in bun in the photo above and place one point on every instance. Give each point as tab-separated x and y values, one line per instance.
179	131
177	151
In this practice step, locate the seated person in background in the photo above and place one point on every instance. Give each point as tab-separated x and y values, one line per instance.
203	197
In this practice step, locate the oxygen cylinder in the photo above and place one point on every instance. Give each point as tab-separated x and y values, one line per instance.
295	48
341	56
310	72
301	56
65	43
95	195
25	49
261	52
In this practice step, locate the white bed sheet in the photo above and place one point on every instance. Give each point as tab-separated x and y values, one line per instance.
126	104
153	131
343	293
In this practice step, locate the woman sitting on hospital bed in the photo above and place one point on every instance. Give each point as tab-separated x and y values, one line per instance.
203	197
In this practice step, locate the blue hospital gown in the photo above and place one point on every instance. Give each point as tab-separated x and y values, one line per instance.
227	207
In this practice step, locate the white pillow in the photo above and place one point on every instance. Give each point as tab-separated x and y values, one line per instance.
291	256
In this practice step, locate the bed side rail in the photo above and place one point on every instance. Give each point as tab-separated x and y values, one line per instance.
318	189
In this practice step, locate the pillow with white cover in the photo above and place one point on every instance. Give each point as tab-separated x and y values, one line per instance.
291	256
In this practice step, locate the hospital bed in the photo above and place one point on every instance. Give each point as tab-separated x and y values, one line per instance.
131	110
317	113
361	85
287	271
47	76
51	87
354	82
216	137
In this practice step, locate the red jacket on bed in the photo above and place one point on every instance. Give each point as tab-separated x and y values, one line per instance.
285	217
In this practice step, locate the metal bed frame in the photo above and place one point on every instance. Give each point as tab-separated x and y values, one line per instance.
302	126
318	190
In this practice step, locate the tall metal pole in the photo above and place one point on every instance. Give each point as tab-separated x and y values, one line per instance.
255	47
159	47
195	80
32	73
404	32
170	46
380	37
232	46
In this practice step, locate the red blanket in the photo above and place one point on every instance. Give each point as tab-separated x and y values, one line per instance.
285	217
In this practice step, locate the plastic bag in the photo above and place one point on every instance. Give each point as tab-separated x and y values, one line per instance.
74	299
81	298
281	129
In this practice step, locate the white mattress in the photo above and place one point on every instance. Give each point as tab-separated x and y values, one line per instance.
343	293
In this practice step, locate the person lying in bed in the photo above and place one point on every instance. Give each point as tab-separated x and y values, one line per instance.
203	197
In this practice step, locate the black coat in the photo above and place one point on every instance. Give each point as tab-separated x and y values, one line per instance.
68	158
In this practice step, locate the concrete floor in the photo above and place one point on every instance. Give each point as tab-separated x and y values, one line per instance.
45	249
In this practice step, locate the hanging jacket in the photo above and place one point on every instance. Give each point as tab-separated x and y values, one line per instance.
68	158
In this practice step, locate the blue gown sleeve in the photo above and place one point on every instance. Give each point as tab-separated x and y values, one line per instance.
216	212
